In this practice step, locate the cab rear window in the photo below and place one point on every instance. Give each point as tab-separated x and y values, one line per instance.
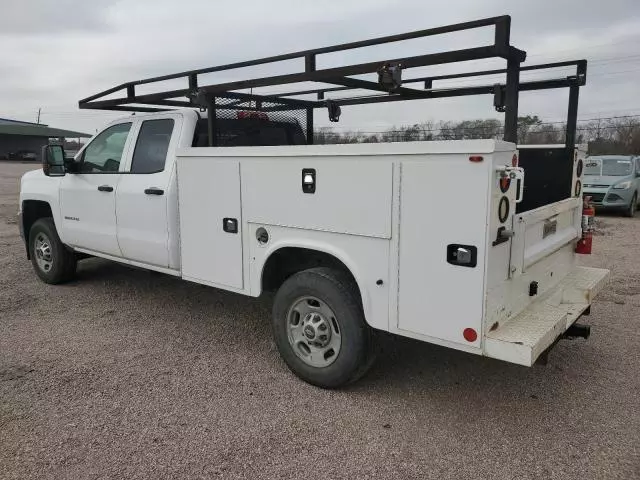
250	132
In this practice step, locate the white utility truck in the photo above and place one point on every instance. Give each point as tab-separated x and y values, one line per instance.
449	242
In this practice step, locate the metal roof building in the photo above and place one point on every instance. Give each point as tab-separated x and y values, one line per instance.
22	140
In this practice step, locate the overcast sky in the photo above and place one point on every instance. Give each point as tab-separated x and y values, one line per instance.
57	52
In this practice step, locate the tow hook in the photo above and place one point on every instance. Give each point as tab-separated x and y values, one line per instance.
577	330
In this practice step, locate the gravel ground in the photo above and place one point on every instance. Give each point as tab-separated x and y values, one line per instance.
130	374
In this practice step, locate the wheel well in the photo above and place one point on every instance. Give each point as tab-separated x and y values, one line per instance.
289	260
33	210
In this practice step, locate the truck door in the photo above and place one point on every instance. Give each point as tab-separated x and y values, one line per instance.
144	192
87	196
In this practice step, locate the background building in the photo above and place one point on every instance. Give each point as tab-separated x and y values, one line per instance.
24	140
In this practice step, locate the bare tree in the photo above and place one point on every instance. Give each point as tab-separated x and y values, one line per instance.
613	136
525	125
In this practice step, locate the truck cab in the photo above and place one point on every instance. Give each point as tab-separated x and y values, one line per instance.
119	198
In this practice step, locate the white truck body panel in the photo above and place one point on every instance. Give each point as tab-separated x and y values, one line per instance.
352	216
208	253
388	212
353	195
429	221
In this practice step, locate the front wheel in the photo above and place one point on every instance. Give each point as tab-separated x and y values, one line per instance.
319	328
51	259
631	209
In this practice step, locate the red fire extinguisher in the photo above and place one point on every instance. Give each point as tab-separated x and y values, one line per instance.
588	214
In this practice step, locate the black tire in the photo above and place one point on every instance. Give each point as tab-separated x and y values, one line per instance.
62	266
338	291
631	209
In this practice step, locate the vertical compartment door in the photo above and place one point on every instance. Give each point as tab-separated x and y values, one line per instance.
210	221
443	208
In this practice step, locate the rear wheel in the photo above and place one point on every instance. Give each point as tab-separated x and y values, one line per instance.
631	209
319	328
51	259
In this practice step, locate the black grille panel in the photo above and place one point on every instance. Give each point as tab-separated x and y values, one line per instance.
541	188
595	197
247	123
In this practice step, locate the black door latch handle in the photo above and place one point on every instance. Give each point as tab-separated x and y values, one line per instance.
105	188
230	225
309	180
154	191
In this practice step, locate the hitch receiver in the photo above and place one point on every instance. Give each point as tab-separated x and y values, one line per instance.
577	330
574	331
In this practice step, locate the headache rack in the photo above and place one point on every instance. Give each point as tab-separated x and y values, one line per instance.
223	99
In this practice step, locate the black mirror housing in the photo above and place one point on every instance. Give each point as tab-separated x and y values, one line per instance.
53	164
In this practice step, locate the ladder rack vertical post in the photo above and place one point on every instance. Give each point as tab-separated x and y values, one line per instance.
211	121
309	66
511	101
572	119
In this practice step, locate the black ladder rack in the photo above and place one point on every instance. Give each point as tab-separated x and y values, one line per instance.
225	96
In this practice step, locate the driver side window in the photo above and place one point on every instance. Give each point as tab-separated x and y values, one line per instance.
104	153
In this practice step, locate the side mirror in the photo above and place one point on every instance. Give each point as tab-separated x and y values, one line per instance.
53	160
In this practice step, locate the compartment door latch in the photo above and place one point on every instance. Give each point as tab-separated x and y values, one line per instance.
230	225
462	255
309	180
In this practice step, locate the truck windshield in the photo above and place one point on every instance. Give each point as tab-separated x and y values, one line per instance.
614	167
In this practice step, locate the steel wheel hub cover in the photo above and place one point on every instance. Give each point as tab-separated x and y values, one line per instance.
43	252
313	332
316	329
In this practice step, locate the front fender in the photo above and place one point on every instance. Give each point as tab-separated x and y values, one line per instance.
35	185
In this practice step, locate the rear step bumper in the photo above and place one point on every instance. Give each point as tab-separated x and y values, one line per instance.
528	335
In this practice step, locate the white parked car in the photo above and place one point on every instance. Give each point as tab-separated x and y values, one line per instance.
613	182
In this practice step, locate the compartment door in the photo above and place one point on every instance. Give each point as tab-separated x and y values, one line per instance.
442	204
210	221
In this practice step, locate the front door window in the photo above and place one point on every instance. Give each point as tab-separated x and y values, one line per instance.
104	153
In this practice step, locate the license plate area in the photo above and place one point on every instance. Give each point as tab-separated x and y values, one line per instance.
550	227
540	232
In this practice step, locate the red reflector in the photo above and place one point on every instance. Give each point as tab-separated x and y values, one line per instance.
475	158
514	160
470	335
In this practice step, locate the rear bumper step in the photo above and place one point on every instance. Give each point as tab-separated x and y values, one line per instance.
524	338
